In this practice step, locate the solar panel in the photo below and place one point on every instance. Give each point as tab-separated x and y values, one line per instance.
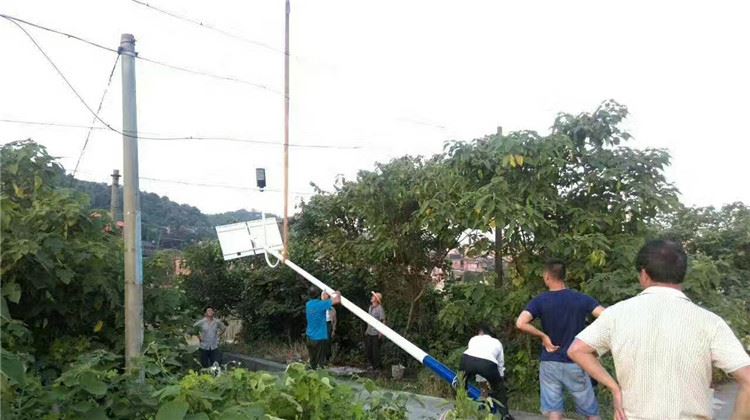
243	239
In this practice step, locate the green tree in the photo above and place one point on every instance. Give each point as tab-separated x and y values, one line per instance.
212	281
371	231
576	193
61	268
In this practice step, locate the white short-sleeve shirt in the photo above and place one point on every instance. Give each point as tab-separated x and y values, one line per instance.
488	348
664	347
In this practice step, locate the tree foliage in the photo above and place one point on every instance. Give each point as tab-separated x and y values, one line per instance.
579	193
57	256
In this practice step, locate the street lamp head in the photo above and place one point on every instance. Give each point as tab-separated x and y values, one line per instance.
260	178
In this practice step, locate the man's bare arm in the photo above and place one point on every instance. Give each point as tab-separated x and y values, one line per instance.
336	297
742	404
585	356
597	311
524	324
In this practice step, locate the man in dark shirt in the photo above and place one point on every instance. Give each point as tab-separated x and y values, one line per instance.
563	313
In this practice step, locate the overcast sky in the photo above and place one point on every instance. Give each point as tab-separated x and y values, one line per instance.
392	77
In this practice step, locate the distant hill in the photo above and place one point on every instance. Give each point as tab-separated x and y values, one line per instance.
234	217
166	224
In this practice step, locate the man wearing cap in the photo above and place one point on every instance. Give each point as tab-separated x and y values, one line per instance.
372	336
317	329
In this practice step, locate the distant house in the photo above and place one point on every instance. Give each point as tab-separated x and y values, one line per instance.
180	267
464	267
461	263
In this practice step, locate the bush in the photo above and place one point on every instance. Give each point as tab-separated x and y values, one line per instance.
95	387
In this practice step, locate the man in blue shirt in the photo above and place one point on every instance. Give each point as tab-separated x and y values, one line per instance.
317	328
563	313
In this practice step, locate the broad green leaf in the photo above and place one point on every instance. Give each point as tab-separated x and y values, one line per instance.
97	413
168	391
12	367
13	291
242	413
173	410
83	406
19	191
65	275
197	416
4	308
92	384
369	385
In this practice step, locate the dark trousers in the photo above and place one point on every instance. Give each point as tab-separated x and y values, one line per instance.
208	357
472	366
316	349
328	350
372	350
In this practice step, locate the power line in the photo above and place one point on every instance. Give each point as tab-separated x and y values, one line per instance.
185	138
108	126
205	185
178	68
233	187
211	75
138	56
98	110
60	73
49	124
77	38
209	27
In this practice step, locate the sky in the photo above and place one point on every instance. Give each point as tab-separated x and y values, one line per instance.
378	80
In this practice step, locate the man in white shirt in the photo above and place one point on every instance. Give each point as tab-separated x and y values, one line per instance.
663	346
331	326
484	356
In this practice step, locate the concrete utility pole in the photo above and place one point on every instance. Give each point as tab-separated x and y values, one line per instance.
114	201
132	208
285	253
499	236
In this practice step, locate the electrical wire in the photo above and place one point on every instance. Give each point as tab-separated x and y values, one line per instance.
186	70
108	126
233	187
140	57
208	26
65	79
211	75
77	38
49	124
98	110
184	138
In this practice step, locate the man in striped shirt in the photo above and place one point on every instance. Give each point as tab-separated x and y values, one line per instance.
663	345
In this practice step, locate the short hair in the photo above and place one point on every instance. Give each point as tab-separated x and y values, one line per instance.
313	292
207	308
664	261
556	268
485	328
